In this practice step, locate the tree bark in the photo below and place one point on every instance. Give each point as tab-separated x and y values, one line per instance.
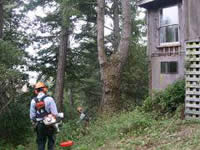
116	25
61	68
100	35
111	87
1	19
111	70
126	31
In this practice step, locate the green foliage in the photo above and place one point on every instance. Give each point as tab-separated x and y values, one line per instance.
128	131
103	130
20	147
15	23
168	134
179	113
82	73
69	131
134	86
13	110
166	101
70	112
11	78
10	55
15	122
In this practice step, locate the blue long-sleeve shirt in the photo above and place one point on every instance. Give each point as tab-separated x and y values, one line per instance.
50	106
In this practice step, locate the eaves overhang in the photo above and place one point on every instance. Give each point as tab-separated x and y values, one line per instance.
150	4
144	2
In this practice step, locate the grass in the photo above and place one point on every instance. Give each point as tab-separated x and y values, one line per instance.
163	135
130	131
139	131
114	128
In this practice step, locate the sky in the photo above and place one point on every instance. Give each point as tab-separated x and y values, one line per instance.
32	16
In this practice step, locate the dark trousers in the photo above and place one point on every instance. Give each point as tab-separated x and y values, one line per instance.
45	133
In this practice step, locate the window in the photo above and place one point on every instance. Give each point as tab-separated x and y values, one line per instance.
169	67
169	25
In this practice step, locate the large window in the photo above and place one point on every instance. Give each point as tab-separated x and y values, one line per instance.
169	67
169	25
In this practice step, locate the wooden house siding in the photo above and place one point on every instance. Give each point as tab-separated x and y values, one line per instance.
189	22
152	24
158	54
192	19
188	49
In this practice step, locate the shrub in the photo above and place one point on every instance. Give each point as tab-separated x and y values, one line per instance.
20	147
15	123
166	101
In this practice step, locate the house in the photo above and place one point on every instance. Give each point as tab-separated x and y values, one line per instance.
173	44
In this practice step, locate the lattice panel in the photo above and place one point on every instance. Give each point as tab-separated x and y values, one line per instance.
192	65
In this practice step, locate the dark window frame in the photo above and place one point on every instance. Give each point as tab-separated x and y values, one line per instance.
175	28
166	67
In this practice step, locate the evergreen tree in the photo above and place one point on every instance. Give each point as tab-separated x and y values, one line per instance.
13	41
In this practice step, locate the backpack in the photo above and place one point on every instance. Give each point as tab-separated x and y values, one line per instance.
40	107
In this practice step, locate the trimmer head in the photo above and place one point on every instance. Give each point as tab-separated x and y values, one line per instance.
66	144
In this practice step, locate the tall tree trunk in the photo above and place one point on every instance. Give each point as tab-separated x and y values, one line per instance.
1	19
111	70
100	35
61	68
111	87
116	25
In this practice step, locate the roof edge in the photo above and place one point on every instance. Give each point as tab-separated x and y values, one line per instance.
144	2
151	4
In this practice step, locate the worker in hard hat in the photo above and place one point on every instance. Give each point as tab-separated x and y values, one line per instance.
83	116
43	106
